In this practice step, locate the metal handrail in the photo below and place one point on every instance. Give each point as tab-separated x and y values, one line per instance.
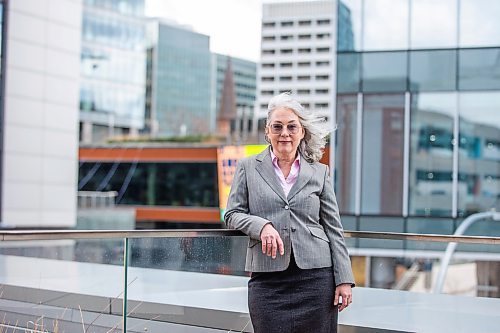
18	235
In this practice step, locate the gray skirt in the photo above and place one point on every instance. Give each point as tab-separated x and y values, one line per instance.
293	301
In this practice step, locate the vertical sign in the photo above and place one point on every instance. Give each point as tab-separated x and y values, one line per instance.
227	160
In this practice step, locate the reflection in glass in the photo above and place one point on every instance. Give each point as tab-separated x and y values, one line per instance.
164	184
431	154
433	24
384	71
428	226
433	70
385	24
479	152
479	69
382	157
348	76
345	156
349	25
479	23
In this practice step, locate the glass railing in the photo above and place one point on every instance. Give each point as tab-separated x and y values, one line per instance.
76	281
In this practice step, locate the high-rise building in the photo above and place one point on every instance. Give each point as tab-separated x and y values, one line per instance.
243	75
297	55
40	68
113	69
179	77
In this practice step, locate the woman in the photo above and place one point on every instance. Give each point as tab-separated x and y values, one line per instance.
283	200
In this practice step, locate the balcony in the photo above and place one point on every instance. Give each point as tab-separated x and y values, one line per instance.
194	281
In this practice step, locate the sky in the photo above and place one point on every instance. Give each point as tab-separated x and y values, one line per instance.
233	25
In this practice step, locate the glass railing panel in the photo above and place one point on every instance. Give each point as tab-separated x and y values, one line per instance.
188	281
406	290
61	285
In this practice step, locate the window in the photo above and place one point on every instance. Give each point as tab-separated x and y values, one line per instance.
285	78
433	70
268	51
323	49
431	154
287	24
286	64
268	65
322	77
304	64
382	154
322	63
305	23
348	76
384	71
306	105
268	24
385	25
479	13
323	22
303	91
267	92
286	37
479	69
345	152
321	105
323	36
304	50
285	91
268	38
267	78
321	91
423	23
303	77
286	51
303	37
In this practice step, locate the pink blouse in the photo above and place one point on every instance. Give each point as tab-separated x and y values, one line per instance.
286	183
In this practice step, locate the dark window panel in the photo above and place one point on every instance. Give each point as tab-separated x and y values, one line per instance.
384	72
433	70
348	72
479	69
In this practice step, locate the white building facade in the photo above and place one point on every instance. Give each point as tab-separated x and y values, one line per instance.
298	48
41	71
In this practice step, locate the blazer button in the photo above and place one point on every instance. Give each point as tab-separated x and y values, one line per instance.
286	207
293	229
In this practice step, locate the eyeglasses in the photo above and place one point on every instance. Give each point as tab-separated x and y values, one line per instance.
278	128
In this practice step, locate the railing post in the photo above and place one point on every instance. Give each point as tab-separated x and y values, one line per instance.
125	283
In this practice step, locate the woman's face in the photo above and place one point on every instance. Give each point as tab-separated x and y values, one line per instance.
284	131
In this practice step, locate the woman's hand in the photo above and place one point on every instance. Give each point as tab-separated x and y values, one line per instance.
271	241
345	291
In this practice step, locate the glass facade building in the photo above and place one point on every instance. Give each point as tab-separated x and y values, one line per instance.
245	80
180	80
113	69
418	108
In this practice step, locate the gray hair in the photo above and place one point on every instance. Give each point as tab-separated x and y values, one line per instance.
316	127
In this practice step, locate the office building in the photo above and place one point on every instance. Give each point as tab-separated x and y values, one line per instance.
113	69
178	80
39	112
297	55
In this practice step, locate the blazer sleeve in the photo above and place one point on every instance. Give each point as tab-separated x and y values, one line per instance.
237	214
330	219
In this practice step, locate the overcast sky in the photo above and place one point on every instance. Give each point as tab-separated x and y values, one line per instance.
233	25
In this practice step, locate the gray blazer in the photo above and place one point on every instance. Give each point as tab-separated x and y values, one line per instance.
307	219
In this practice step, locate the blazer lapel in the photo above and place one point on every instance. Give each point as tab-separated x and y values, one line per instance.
305	174
266	170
